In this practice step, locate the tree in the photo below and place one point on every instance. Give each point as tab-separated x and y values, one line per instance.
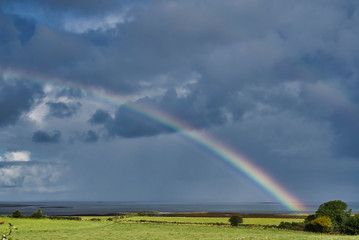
16	214
320	224
37	214
309	218
235	220
336	211
352	226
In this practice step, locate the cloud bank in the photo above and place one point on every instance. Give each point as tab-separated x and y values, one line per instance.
275	80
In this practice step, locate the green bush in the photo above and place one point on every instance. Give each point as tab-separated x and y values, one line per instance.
336	211
352	226
235	220
16	214
309	218
147	213
37	214
321	224
298	226
65	218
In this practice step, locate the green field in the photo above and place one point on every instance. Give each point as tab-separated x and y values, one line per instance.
67	229
212	220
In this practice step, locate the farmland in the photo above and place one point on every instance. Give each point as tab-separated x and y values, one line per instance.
140	227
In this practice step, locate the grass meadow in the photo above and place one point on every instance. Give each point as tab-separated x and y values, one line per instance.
125	229
212	220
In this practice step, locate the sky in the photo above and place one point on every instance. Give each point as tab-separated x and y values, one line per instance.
276	81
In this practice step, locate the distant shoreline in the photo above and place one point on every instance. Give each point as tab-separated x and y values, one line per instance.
205	209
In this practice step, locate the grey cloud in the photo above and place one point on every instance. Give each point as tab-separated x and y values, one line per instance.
336	109
230	44
100	117
259	66
79	6
32	177
62	110
44	137
198	111
16	98
233	46
129	124
90	136
346	128
197	108
70	93
26	29
9	30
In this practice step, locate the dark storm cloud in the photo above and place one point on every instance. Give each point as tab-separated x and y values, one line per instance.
346	127
8	27
44	137
254	71
90	136
62	110
129	124
230	44
25	28
234	47
198	111
15	99
197	108
100	117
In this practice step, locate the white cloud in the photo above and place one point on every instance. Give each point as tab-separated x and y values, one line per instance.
9	176
19	156
85	24
184	89
42	178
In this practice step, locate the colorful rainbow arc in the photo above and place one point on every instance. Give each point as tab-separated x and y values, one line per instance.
237	162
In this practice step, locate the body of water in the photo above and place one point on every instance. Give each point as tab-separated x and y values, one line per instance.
82	208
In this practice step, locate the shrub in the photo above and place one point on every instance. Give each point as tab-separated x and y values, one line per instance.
352	226
235	220
37	214
16	214
95	219
321	224
309	218
147	213
65	218
112	218
298	226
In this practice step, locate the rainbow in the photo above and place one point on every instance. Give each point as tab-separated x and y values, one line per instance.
229	157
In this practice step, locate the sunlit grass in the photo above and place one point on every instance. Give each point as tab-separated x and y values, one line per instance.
68	229
212	220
